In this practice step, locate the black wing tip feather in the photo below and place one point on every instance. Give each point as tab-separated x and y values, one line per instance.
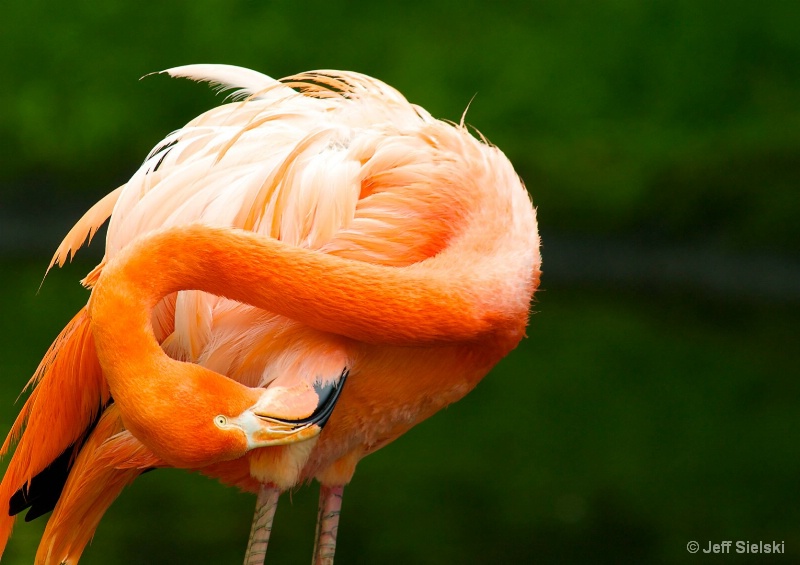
44	490
42	493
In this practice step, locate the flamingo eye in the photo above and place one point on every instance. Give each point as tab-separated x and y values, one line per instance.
220	421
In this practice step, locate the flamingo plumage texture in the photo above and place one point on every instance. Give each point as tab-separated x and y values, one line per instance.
290	282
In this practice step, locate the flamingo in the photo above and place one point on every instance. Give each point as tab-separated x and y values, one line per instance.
290	282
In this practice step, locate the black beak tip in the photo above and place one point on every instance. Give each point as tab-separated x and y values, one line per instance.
328	396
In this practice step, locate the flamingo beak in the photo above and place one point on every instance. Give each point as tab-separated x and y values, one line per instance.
263	430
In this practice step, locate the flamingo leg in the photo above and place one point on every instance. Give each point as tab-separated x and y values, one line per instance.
330	506
266	504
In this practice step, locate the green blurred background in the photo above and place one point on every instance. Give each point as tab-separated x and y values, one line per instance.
656	400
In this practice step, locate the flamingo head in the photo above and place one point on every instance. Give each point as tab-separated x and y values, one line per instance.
210	418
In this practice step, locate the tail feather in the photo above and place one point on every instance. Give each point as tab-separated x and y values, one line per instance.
69	390
110	460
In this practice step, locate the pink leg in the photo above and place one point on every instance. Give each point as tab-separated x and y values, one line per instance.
330	506
262	525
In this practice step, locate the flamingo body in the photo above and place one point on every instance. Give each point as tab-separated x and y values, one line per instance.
321	228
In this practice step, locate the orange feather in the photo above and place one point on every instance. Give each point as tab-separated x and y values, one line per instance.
321	226
110	459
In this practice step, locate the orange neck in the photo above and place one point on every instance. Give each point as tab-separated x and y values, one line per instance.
416	305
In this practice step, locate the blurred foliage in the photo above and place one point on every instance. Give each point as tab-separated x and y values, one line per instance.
670	119
624	427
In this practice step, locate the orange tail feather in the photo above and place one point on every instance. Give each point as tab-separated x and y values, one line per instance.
69	391
110	460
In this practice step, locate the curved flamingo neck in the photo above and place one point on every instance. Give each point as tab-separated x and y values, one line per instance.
414	305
